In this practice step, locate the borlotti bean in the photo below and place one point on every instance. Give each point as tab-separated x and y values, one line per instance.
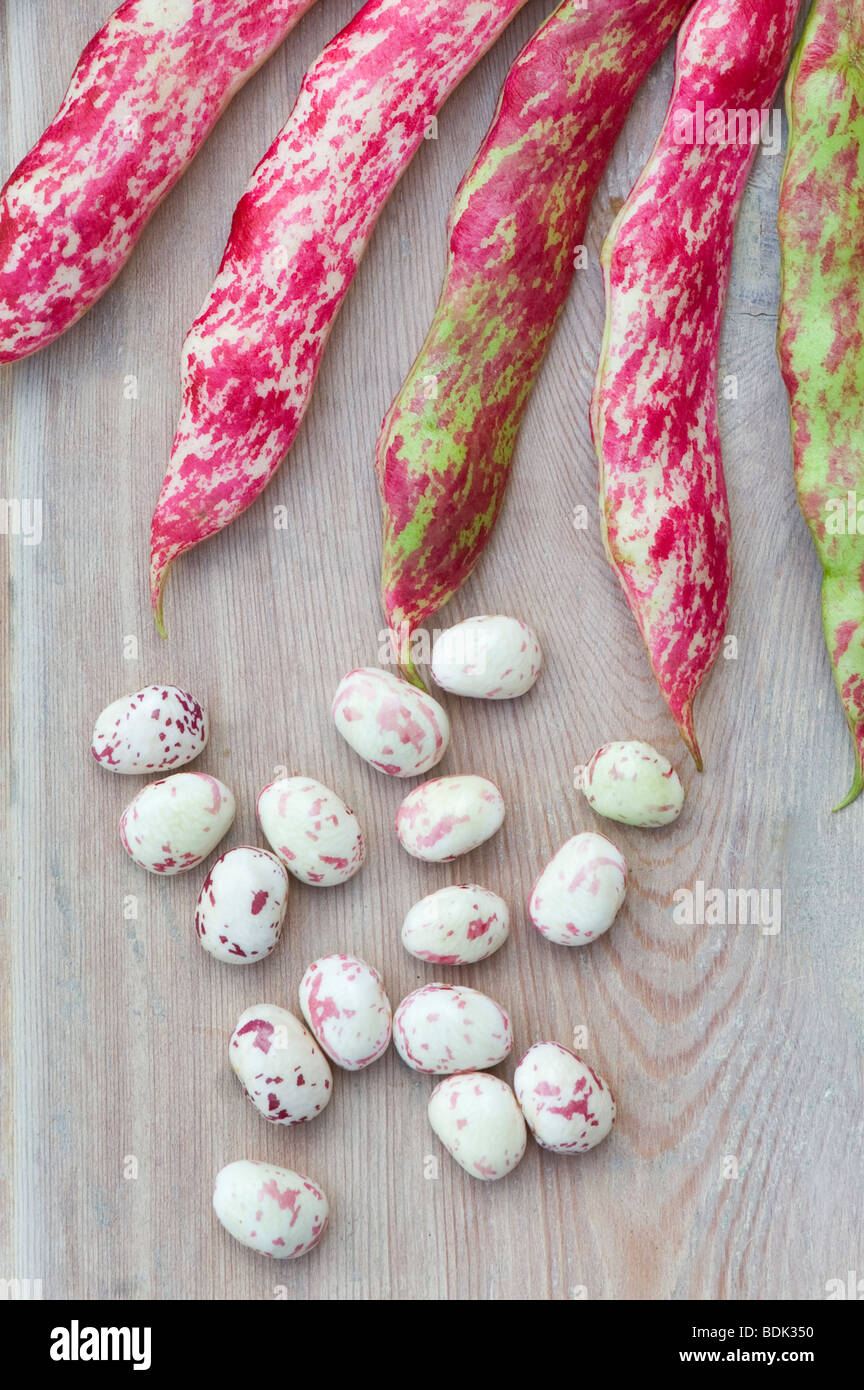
479	1123
396	727
171	825
155	729
283	1071
273	1210
578	894
441	819
343	1001
456	926
487	658
567	1106
241	906
441	1029
317	837
631	782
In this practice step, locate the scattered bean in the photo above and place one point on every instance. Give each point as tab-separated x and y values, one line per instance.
631	782
151	731
397	728
171	825
578	894
281	1067
487	658
441	819
241	906
344	1003
317	837
441	1029
567	1106
456	926
273	1210
479	1123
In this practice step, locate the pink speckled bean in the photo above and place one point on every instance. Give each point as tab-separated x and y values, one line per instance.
631	782
171	825
241	907
317	837
456	926
282	1069
273	1210
567	1106
487	658
449	816
578	894
397	728
479	1123
344	1003
147	91
155	729
441	1029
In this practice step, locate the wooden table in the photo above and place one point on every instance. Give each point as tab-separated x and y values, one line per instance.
734	1053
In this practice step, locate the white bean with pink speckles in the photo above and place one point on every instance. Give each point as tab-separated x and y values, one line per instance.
567	1106
490	657
441	1029
283	1071
394	726
273	1210
456	926
449	816
479	1123
241	906
578	894
171	825
343	1001
158	728
631	782
317	837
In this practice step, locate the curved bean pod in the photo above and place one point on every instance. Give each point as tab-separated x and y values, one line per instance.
299	231
821	332
446	445
147	91
666	265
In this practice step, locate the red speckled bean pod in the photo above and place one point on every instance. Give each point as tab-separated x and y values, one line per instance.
446	445
654	417
147	91
251	356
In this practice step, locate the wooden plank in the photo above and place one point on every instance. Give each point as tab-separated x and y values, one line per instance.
727	1048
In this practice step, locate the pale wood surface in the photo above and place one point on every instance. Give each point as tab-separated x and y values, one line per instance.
718	1040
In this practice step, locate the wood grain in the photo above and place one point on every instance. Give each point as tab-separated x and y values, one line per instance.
720	1042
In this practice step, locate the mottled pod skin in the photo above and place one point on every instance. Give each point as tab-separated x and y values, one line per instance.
478	1121
456	926
146	93
821	332
441	1029
280	1066
172	824
155	729
632	783
666	265
449	816
577	896
299	231
241	906
343	1001
317	837
394	726
273	1210
444	453
490	657
567	1106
